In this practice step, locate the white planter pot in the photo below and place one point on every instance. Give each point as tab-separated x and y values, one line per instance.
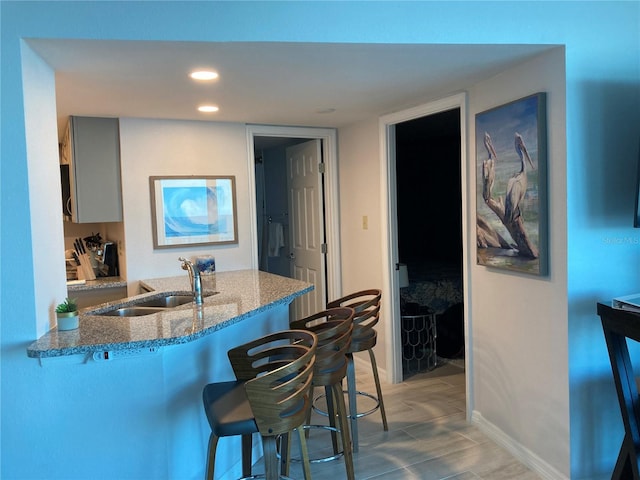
68	321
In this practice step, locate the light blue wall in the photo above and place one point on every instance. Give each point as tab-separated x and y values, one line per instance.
603	136
603	124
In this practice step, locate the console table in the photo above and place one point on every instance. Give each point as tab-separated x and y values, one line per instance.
618	325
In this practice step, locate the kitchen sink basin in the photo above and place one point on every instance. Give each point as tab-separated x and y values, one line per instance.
169	301
132	311
147	306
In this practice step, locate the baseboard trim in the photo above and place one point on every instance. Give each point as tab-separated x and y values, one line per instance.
520	452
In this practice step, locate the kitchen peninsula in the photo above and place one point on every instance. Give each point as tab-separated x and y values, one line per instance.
231	297
142	403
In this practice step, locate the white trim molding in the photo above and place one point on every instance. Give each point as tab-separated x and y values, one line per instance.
389	231
331	193
520	452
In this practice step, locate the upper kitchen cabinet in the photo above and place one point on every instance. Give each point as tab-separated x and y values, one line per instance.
90	153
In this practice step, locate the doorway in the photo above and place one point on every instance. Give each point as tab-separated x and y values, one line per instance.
391	276
290	208
429	219
268	166
272	203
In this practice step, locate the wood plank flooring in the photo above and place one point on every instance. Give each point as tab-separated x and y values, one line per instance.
428	438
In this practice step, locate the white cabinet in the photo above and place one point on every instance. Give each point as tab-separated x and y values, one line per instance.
91	148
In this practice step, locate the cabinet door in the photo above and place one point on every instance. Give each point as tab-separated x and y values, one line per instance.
96	166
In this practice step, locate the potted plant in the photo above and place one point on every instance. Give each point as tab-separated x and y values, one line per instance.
67	314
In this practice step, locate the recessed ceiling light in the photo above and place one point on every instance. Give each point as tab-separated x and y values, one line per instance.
204	75
208	108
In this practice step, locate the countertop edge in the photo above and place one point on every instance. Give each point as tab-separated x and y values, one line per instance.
99	283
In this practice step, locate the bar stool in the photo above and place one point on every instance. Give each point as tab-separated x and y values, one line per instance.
334	328
271	396
366	304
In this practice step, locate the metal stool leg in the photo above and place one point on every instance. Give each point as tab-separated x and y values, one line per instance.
353	407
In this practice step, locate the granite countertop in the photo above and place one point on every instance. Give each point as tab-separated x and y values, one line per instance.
238	295
97	284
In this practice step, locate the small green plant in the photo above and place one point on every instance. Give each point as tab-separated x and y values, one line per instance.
69	305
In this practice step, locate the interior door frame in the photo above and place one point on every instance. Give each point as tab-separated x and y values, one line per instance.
390	281
331	194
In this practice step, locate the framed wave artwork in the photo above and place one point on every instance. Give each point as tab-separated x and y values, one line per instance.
193	210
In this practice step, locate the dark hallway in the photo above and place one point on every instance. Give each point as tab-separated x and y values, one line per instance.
429	202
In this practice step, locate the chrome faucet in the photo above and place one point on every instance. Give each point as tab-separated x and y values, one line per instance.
194	278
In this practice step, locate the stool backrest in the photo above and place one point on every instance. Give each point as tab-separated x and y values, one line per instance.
333	327
278	370
366	306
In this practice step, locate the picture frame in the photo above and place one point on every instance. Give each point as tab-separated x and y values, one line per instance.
511	172
193	210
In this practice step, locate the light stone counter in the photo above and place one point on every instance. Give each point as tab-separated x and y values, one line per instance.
97	284
239	296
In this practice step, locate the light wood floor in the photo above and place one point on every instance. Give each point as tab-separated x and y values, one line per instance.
428	438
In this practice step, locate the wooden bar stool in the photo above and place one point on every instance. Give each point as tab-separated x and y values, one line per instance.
271	396
366	304
334	328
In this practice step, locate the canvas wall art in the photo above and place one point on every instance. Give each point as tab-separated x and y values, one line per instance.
511	172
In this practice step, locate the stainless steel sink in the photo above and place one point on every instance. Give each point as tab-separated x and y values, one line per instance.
148	306
169	301
132	311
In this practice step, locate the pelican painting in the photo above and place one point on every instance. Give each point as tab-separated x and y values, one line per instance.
488	166
517	184
511	217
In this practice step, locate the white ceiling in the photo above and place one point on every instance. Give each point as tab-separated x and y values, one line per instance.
264	83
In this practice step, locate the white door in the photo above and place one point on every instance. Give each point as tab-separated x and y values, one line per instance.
306	224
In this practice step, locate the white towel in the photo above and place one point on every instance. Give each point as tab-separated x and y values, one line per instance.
276	239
